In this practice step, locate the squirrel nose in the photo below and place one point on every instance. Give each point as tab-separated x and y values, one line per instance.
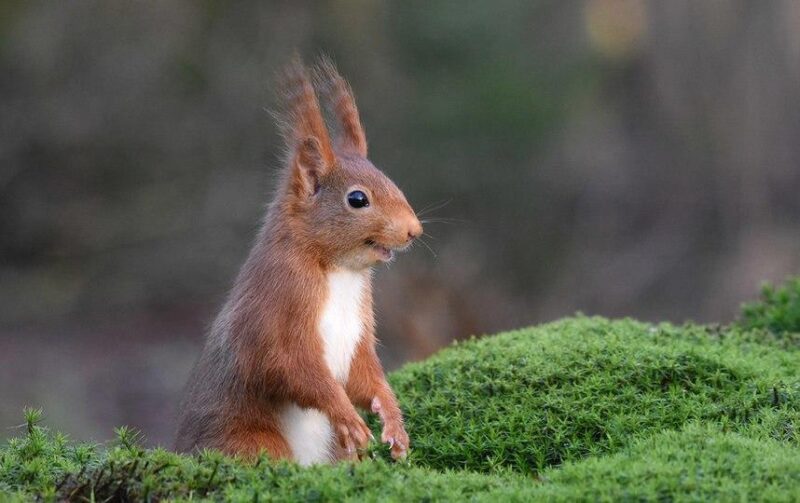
414	229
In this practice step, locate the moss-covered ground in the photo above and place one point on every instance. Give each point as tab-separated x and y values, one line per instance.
580	409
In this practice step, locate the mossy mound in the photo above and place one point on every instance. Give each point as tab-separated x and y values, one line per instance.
700	463
580	409
583	387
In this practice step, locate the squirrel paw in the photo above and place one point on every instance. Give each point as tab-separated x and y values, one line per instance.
352	433
394	433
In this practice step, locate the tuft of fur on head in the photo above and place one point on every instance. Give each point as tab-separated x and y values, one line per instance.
341	104
299	115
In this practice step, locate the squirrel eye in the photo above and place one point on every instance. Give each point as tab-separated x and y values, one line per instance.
357	199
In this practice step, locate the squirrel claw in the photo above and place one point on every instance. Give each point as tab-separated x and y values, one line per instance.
398	450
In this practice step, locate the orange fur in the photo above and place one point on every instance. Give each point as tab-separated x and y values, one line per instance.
265	350
343	105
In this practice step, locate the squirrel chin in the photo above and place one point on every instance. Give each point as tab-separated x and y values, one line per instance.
367	258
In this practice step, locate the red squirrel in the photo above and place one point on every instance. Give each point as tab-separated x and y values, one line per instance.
292	353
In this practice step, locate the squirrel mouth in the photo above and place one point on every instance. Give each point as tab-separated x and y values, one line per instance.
385	254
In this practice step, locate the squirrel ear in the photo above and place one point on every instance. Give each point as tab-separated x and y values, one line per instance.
303	128
308	166
339	99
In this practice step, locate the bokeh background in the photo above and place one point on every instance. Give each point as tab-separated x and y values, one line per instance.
616	157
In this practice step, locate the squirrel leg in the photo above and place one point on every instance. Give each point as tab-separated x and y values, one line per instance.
316	388
368	389
250	440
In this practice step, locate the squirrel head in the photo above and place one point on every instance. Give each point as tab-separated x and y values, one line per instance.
335	200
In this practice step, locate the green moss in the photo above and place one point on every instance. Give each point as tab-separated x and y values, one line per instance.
44	465
535	398
580	409
778	310
700	463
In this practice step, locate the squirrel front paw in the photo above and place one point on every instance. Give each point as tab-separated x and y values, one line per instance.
351	432
394	432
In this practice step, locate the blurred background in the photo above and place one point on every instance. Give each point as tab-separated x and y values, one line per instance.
616	157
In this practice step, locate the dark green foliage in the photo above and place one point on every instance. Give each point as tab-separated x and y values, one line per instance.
581	409
778	310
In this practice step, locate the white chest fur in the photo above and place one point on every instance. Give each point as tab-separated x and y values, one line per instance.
340	324
308	431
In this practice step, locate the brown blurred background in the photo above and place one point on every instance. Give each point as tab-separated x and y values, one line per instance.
617	157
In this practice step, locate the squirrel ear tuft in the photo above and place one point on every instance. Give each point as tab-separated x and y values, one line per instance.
303	127
299	115
338	96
